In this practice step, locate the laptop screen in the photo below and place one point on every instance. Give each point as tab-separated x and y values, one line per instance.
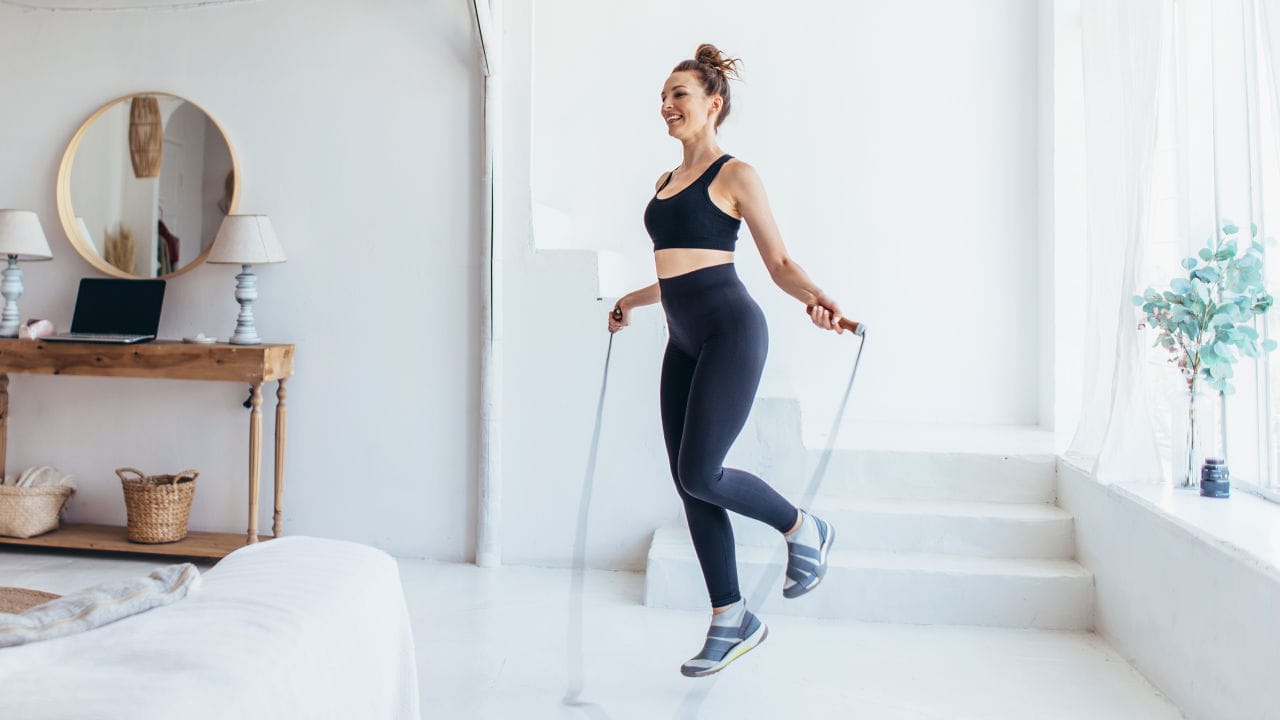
127	307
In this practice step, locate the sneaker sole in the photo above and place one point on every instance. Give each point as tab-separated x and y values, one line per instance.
741	649
822	565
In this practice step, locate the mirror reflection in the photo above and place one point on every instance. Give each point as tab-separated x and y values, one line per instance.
150	179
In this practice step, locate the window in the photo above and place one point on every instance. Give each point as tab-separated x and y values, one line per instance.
1217	160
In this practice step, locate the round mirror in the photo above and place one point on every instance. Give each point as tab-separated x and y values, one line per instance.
144	186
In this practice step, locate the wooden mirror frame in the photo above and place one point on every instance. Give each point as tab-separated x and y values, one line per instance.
67	214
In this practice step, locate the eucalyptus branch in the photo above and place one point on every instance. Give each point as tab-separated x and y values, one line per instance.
1206	317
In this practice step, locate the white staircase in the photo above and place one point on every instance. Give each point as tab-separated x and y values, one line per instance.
922	538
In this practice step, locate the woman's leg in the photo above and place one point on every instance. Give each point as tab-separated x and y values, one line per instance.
720	396
708	524
734	629
719	400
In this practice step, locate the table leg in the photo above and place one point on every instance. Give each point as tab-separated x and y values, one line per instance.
255	460
4	421
282	413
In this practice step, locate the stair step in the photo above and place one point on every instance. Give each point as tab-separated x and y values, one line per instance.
917	475
986	529
912	588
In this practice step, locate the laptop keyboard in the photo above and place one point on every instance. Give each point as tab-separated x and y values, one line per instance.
103	336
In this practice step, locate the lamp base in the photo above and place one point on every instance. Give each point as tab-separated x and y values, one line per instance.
11	288
246	294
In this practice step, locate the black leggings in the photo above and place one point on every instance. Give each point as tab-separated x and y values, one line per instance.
710	374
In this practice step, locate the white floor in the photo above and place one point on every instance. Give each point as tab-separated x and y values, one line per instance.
494	644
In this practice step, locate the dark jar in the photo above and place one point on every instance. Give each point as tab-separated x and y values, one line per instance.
1215	478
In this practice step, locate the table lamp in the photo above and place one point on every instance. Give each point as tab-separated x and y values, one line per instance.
20	237
246	240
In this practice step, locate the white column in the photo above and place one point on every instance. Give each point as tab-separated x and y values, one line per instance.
489	491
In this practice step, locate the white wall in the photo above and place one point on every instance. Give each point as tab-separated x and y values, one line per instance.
1190	612
357	125
898	144
1061	219
1068	251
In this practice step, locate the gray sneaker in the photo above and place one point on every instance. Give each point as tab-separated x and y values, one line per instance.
724	645
806	564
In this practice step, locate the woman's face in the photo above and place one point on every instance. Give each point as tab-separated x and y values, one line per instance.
686	109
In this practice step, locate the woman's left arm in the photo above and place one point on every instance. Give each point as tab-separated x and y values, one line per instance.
747	191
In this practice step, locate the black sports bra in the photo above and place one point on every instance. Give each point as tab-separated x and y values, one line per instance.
689	219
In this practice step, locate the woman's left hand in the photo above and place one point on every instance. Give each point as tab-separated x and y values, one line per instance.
825	313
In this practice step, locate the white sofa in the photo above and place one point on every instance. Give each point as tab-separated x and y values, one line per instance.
297	627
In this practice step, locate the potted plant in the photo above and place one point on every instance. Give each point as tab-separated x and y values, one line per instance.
1205	322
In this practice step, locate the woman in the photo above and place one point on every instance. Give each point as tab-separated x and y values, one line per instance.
716	352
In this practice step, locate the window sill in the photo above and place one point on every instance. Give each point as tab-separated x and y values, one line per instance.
1244	525
1264	493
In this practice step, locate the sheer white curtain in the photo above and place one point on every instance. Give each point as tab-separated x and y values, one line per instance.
1123	43
1266	15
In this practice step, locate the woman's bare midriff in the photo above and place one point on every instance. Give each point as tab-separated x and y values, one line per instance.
678	261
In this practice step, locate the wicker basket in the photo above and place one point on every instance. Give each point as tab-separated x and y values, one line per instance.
29	511
19	600
157	505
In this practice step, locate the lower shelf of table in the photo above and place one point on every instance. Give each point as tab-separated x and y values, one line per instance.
109	538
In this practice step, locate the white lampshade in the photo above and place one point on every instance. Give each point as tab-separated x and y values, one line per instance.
21	235
246	240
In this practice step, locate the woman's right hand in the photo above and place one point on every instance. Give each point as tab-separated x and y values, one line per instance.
619	317
825	313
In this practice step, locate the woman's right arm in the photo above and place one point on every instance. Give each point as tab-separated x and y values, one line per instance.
620	315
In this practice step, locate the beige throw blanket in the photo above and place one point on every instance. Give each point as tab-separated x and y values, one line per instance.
98	605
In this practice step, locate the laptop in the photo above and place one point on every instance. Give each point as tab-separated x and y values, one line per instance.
115	311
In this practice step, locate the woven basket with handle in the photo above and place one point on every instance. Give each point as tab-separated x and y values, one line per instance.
157	506
29	511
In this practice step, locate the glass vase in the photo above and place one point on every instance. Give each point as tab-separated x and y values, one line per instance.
1191	432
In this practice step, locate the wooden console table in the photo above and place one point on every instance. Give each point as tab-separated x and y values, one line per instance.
173	360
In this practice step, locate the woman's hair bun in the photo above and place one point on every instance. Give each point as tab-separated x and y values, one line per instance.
712	68
710	55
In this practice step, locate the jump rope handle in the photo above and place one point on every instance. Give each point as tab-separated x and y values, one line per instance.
856	328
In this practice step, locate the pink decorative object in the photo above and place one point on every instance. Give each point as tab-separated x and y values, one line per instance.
35	329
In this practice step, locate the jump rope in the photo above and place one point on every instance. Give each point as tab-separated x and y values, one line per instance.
695	697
